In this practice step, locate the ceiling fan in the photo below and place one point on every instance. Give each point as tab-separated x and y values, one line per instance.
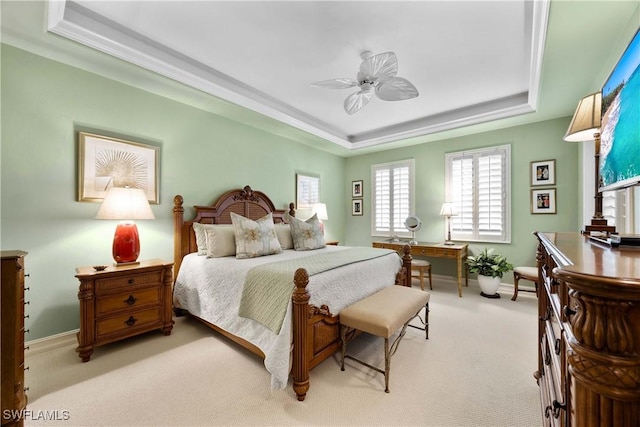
377	74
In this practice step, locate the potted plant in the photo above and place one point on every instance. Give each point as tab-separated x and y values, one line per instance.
490	268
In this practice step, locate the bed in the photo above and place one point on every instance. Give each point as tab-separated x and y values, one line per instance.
310	331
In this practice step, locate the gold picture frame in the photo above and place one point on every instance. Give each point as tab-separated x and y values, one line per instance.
357	209
543	201
307	190
105	162
543	172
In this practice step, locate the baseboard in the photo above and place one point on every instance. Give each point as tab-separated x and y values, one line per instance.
42	345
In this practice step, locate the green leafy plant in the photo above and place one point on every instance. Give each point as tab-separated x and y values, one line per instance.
486	263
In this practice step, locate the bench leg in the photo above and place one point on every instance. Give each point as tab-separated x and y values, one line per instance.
343	336
387	365
516	278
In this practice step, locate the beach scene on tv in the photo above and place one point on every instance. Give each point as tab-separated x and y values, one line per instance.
620	127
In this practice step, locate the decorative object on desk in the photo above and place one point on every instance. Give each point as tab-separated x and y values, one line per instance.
320	210
356	207
413	224
105	162
125	204
490	268
448	210
585	126
543	172
543	201
357	188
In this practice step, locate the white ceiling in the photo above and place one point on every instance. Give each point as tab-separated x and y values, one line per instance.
475	63
472	61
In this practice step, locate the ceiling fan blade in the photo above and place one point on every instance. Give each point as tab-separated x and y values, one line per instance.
336	83
396	89
356	101
383	66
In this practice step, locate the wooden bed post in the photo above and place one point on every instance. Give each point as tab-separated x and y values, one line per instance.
406	264
300	300
178	222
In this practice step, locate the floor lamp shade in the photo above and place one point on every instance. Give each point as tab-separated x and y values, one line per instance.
125	204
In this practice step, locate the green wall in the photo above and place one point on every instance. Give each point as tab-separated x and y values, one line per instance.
45	103
539	141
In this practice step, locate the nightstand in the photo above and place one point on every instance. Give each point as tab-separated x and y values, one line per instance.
333	242
123	301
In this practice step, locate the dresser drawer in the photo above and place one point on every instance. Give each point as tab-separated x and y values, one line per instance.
130	281
128	322
128	300
392	246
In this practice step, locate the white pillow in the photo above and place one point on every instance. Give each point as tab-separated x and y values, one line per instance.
283	231
201	237
255	238
307	235
221	240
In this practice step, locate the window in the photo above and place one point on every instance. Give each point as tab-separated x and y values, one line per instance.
478	183
392	197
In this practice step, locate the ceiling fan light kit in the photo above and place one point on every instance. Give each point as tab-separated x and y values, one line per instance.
378	74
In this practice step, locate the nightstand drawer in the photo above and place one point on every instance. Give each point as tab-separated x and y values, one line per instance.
129	281
128	321
128	300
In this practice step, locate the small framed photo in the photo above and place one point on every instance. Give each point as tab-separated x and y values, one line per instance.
543	201
356	188
105	162
356	207
543	172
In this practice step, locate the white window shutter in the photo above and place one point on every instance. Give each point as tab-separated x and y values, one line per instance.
392	197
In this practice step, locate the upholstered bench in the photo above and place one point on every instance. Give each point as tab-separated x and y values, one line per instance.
383	314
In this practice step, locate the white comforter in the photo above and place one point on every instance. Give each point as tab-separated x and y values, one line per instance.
210	288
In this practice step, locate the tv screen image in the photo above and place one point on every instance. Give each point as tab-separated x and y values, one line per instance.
620	127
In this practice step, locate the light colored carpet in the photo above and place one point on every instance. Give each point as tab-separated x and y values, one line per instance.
475	370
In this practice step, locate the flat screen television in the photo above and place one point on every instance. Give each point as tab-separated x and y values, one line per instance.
620	127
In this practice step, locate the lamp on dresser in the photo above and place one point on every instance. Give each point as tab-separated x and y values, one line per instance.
125	204
320	209
448	210
585	126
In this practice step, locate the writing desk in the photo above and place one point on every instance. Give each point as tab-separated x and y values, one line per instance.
436	250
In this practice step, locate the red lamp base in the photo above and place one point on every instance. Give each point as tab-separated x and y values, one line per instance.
126	243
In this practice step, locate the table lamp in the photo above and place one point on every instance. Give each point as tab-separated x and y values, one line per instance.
448	210
320	209
125	204
585	126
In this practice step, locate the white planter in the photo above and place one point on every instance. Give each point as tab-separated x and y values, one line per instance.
489	286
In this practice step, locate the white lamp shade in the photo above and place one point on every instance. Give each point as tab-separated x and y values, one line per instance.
320	209
586	120
448	209
125	204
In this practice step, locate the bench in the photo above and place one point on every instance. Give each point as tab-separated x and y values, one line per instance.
383	314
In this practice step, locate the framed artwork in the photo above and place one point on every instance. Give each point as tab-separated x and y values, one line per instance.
356	207
307	190
543	172
356	188
105	162
543	201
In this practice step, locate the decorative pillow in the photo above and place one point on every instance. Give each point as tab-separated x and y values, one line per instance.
283	231
255	238
307	235
221	240
201	237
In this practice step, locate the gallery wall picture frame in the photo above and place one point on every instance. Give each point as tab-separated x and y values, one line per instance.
543	201
105	162
307	190
357	189
543	172
357	209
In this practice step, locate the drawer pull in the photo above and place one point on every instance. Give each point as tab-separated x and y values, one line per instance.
26	389
557	407
131	281
131	321
130	301
556	346
27	288
568	311
26	317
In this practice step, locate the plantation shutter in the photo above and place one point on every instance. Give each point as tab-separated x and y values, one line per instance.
392	194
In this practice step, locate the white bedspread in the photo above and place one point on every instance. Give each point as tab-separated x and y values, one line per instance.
210	288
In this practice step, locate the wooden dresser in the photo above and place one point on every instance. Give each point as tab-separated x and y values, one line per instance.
12	304
588	332
123	301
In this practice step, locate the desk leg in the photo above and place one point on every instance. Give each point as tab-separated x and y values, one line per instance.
460	276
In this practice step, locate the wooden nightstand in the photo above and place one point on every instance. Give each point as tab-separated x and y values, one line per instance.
123	301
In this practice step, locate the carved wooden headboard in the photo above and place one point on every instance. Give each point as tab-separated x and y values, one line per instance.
243	201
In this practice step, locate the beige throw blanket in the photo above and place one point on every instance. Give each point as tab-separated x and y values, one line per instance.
268	287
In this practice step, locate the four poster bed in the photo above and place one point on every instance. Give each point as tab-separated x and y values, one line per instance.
310	330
